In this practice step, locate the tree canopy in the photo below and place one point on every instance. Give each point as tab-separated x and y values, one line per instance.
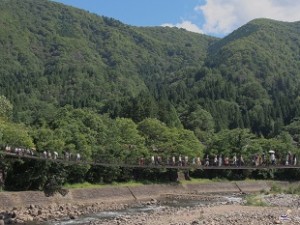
77	82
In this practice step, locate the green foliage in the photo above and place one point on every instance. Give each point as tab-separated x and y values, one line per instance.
200	120
5	107
77	82
15	135
255	200
228	142
169	141
295	190
129	139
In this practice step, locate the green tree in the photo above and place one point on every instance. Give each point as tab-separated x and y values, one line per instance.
202	123
6	108
15	135
131	142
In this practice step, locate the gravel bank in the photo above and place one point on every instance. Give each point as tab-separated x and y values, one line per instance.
221	213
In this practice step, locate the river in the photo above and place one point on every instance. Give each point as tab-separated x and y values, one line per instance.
168	203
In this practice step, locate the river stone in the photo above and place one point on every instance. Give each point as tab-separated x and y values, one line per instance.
72	216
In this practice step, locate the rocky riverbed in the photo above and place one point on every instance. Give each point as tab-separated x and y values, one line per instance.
214	209
55	212
281	209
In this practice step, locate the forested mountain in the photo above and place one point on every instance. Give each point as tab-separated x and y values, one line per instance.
262	61
54	56
61	55
72	81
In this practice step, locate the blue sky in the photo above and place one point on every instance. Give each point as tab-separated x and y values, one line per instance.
213	17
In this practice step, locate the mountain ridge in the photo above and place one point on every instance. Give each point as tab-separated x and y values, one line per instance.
59	55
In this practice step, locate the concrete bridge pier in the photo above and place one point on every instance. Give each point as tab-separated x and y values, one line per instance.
183	175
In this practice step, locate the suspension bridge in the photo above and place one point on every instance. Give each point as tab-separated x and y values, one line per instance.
150	166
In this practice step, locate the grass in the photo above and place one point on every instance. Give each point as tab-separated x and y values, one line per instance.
255	200
89	185
135	183
196	181
293	189
290	189
275	189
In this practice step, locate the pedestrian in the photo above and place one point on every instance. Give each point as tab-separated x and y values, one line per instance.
220	160
257	160
173	160
179	161
152	160
45	154
49	154
226	161
207	161
234	160
55	155
216	160
198	161
159	160
263	159
242	163
273	159
186	160
78	157
287	160
194	161
67	156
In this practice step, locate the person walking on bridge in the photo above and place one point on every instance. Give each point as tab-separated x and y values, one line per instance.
273	159
216	160
241	162
179	161
207	161
234	160
152	160
173	160
220	160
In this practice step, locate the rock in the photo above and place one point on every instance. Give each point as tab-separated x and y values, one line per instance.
72	216
13	214
277	222
28	218
9	221
153	201
2	222
39	212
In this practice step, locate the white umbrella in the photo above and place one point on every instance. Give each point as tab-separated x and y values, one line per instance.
271	151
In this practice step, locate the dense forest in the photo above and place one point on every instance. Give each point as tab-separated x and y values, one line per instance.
78	82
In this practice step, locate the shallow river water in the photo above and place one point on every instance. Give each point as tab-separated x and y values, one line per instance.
146	208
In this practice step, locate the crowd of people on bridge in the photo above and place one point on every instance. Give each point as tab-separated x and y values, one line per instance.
218	160
66	155
45	154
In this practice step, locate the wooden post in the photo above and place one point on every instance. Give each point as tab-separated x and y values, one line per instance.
1	179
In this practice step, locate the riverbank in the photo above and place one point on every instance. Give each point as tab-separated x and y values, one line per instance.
215	215
22	207
220	210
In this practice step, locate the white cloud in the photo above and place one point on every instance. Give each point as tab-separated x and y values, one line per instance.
188	25
223	16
